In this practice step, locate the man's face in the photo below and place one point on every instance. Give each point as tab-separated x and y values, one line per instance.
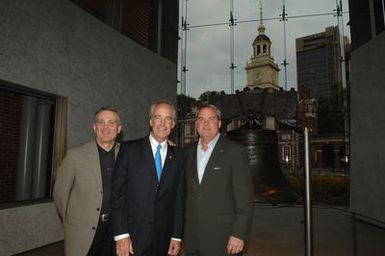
162	122
106	127
207	124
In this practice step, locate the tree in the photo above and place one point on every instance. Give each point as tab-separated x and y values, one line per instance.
185	104
204	98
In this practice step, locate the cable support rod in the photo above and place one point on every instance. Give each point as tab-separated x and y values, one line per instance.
185	26
232	23
268	19
283	16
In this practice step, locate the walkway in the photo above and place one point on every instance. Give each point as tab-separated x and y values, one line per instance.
279	231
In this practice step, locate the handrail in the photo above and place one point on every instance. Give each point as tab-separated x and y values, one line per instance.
355	216
369	220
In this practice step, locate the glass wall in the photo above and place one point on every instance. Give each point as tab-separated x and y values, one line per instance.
309	49
206	44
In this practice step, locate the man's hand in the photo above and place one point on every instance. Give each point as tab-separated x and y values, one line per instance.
234	245
174	247
124	247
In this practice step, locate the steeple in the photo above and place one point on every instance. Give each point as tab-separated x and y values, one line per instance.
262	42
261	27
261	71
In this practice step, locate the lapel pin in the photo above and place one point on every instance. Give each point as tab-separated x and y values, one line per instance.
221	150
170	157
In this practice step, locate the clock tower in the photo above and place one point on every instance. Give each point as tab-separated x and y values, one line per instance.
261	71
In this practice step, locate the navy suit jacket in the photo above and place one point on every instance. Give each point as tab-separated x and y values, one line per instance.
142	206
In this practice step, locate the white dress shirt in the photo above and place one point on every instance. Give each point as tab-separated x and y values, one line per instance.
204	156
163	149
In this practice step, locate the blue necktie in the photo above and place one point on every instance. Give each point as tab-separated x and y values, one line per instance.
158	162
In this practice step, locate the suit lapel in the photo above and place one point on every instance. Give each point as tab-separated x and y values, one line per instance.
149	157
117	147
92	158
215	157
168	162
195	165
192	167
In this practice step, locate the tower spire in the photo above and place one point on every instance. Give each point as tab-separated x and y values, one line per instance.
261	27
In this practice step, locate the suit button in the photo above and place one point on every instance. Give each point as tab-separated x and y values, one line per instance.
97	209
101	191
93	228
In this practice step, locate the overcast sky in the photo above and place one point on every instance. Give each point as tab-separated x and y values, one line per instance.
208	47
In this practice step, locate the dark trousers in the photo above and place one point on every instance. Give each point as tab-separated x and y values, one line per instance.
103	243
152	247
198	253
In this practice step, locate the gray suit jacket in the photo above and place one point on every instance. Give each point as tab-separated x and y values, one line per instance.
221	205
78	194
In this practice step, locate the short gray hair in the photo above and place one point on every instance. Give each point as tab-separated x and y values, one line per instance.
106	108
210	106
159	102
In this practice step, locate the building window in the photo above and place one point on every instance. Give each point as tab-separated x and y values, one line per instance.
189	129
151	23
286	153
27	127
236	123
270	123
286	137
328	156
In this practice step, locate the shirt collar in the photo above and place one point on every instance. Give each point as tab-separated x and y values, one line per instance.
105	151
155	143
211	144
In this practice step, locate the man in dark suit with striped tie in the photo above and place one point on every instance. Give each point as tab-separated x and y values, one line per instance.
148	187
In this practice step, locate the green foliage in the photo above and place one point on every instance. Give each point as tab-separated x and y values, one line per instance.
204	98
185	104
326	189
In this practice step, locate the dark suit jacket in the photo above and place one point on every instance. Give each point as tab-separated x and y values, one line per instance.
221	205
140	205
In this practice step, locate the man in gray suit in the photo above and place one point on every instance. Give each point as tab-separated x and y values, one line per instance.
82	189
219	191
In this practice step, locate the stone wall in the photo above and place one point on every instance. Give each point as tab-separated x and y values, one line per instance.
55	47
367	191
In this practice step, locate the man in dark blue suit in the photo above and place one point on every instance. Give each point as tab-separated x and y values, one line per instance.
148	190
